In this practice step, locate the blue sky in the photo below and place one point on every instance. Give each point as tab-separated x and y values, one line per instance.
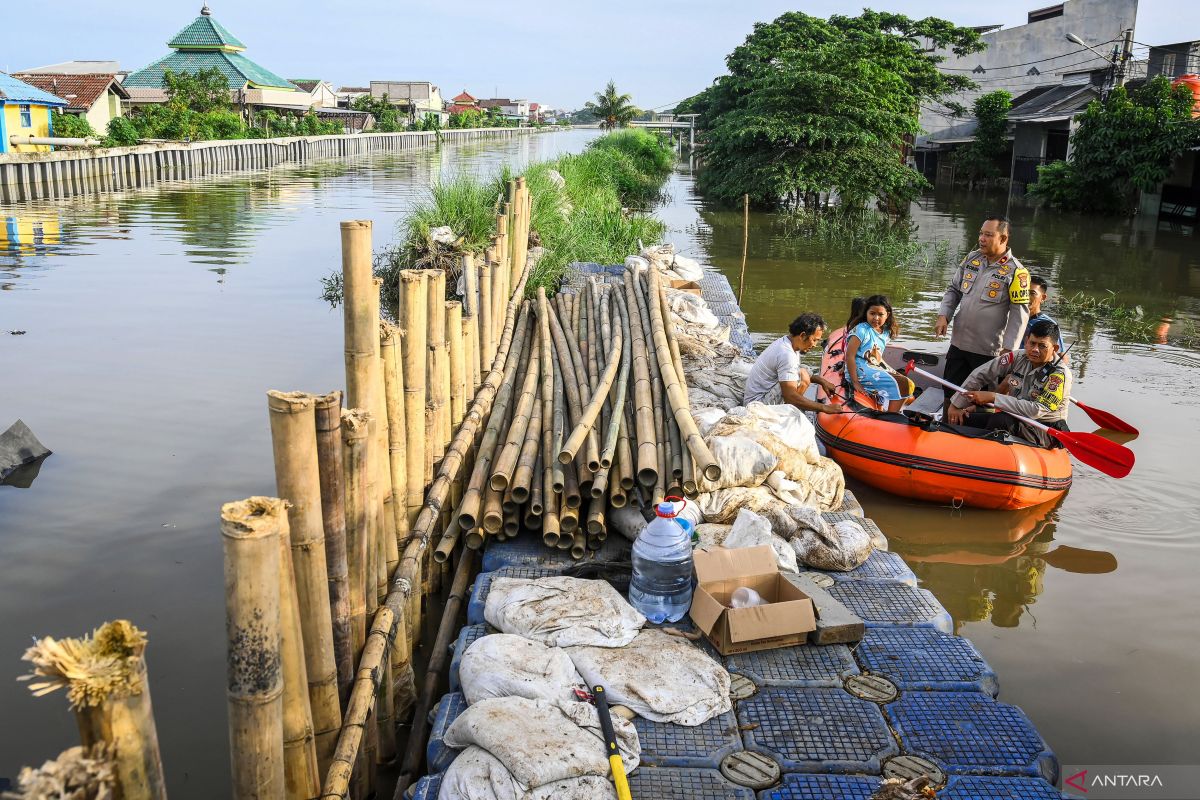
557	53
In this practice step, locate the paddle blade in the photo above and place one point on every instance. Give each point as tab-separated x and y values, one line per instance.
910	366
1110	458
1106	420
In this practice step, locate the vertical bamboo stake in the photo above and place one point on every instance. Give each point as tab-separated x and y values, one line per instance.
250	538
297	478
457	366
300	770
438	377
360	316
328	413
413	308
105	676
487	329
385	512
745	245
470	314
393	390
355	427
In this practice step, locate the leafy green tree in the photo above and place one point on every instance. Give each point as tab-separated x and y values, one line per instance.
202	91
614	110
122	132
387	117
814	107
70	126
1127	144
981	160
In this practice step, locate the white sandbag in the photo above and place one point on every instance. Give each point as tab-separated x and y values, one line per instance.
691	309
722	505
478	775
443	235
660	256
556	179
706	417
750	530
661	677
744	462
796	437
841	546
712	534
561	611
636	264
505	665
540	742
688	268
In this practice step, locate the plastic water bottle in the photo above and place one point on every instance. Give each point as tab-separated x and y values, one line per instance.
661	587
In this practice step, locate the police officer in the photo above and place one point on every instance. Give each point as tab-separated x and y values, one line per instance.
1035	382
990	292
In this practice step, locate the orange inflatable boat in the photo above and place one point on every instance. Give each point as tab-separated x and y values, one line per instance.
910	455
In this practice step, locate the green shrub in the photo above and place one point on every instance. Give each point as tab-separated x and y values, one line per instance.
70	126
121	133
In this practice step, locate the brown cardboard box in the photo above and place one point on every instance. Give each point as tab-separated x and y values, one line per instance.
785	620
691	287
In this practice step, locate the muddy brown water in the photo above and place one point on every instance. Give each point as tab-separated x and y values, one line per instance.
156	320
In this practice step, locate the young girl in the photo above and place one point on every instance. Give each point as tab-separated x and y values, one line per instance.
869	336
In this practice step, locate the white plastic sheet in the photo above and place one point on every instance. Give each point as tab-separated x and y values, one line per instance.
478	775
562	612
504	665
750	529
660	677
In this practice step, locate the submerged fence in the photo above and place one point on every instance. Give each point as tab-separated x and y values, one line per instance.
55	175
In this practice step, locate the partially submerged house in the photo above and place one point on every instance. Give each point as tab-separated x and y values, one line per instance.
25	111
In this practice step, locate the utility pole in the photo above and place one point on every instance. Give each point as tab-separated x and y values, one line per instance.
1122	67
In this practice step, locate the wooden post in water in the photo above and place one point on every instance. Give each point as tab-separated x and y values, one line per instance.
328	414
745	244
250	536
105	674
297	478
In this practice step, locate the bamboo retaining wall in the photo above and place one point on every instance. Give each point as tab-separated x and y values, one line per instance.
55	175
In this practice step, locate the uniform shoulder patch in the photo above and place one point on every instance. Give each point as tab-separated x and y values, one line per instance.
1018	288
1009	358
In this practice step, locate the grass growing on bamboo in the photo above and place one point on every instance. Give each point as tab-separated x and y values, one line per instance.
581	211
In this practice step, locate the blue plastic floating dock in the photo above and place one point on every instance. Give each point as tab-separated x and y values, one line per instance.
881	565
466	637
802	665
917	659
665	783
437	753
970	733
977	787
816	730
484	582
703	746
822	787
427	788
884	603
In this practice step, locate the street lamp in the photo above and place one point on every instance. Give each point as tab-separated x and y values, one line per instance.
1112	78
1073	38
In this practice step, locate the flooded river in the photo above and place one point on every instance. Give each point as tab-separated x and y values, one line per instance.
156	320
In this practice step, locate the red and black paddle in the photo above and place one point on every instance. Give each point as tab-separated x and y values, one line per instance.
1109	457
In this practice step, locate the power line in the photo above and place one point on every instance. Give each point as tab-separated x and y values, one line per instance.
1026	63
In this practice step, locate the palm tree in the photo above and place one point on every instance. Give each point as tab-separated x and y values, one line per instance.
612	109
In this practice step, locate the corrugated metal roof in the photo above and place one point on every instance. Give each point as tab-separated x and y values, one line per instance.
204	31
236	68
18	91
80	91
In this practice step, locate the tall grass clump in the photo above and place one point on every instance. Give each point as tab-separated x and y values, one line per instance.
875	237
581	212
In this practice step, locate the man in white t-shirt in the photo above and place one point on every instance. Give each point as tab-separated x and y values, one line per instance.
777	376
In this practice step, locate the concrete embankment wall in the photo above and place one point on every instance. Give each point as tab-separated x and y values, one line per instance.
35	176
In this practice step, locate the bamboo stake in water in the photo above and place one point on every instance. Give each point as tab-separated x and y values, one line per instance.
412	313
457	365
297	478
745	245
487	326
355	428
105	677
470	314
437	375
250	535
328	414
397	429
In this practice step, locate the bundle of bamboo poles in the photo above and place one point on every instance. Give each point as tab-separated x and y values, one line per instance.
465	421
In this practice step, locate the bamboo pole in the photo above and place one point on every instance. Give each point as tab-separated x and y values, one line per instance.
412	317
647	449
301	773
385	503
109	691
470	315
677	393
656	390
437	375
399	598
506	461
327	411
250	536
397	428
617	413
355	429
297	478
537	501
457	364
523	477
487	328
745	245
586	423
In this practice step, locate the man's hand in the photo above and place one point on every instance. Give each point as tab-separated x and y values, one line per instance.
825	384
831	409
939	327
982	398
956	415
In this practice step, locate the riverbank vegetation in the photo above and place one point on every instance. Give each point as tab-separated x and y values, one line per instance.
1127	323
1128	143
586	207
813	108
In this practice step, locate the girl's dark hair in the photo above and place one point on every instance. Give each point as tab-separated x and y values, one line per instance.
890	323
858	308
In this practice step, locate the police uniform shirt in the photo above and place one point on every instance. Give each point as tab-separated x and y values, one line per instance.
1040	393
992	304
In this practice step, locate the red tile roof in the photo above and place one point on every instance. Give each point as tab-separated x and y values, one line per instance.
80	91
464	98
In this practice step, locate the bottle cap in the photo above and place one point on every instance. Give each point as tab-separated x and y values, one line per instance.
670	507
